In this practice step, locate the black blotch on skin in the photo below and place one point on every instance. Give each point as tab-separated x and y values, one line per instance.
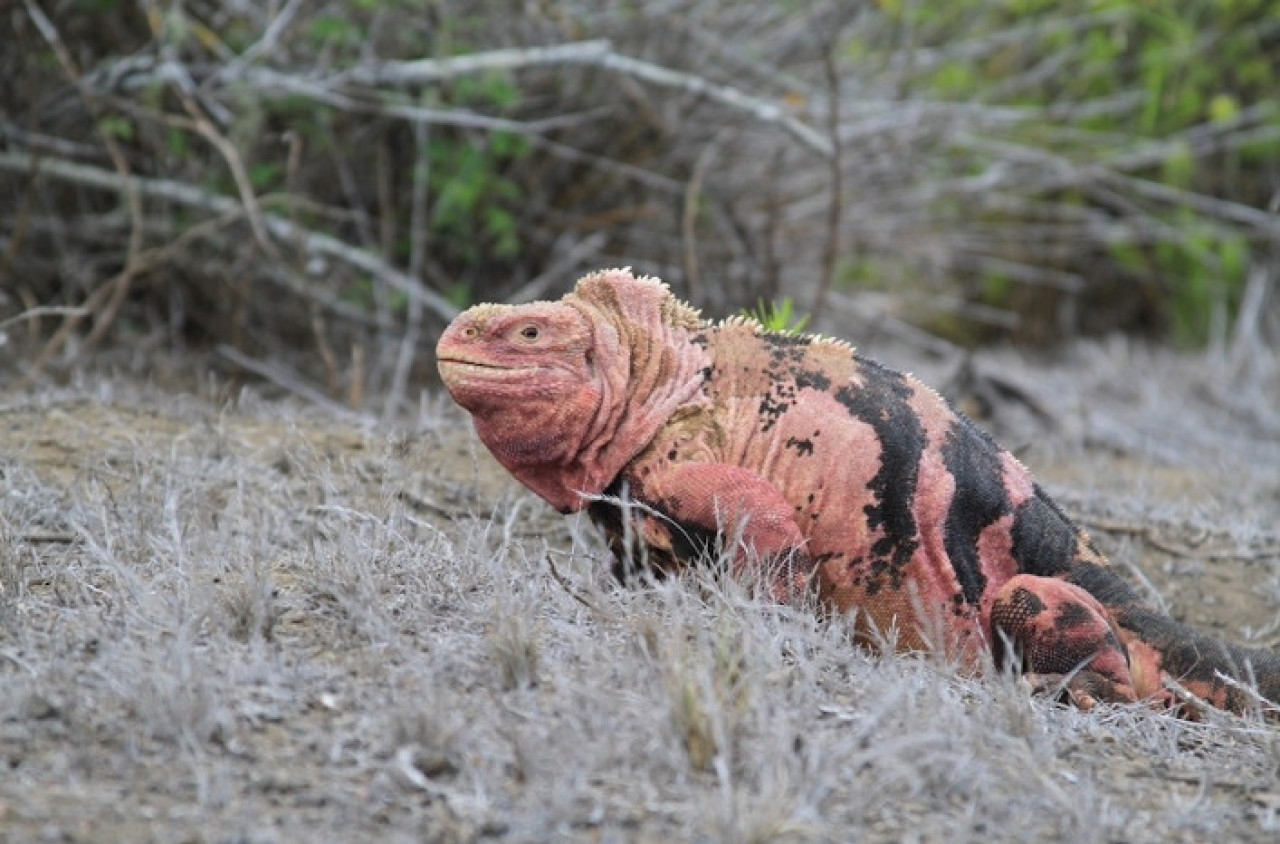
814	379
881	402
690	543
826	557
1028	599
803	447
1066	654
1044	539
1110	589
1071	615
786	375
607	517
772	405
973	459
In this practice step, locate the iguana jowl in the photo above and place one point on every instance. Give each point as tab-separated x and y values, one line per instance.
862	482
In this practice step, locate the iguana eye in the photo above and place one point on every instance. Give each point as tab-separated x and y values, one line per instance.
529	332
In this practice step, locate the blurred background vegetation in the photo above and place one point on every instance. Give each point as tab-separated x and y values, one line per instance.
310	188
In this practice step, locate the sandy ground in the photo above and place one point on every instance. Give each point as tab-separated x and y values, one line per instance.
244	620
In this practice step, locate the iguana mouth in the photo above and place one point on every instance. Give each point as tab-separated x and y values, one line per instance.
484	369
470	363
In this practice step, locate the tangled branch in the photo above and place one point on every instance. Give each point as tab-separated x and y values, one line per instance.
285	231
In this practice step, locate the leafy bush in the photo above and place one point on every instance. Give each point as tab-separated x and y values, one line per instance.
1191	88
337	178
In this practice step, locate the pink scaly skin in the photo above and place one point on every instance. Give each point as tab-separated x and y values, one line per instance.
829	472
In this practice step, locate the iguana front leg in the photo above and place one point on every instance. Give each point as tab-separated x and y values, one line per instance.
730	503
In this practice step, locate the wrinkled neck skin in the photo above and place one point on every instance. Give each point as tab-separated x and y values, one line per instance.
644	369
538	439
568	441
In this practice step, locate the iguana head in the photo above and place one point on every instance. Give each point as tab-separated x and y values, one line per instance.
565	393
525	374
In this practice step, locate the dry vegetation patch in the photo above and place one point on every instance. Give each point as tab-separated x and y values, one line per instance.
254	622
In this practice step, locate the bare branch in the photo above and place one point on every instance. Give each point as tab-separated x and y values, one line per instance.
835	206
110	296
280	228
205	128
599	53
437	70
45	310
417	259
47	143
374	100
266	43
763	110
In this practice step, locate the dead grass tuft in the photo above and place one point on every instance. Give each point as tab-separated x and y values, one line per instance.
247	619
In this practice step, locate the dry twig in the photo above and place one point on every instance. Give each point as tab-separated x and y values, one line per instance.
831	248
282	229
576	594
417	260
106	300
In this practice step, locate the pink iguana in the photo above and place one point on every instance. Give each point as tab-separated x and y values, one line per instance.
830	471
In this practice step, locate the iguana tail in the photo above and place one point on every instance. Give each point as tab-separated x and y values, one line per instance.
1215	671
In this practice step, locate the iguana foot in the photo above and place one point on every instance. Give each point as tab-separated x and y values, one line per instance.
1062	639
1083	689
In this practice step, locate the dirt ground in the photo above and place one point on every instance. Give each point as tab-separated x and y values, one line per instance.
237	618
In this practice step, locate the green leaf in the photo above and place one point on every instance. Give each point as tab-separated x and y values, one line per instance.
175	141
500	91
358	292
954	78
1234	254
1223	107
996	288
778	316
335	28
116	126
397	300
458	294
263	174
508	144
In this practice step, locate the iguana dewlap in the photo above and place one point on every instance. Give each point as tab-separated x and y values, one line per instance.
828	470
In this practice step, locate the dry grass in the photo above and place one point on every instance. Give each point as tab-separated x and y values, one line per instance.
255	623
